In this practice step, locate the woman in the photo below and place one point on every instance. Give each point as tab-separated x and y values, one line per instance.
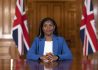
48	46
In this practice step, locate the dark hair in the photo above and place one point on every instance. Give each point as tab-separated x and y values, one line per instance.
41	33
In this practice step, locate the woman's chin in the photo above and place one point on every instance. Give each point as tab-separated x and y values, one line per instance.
48	34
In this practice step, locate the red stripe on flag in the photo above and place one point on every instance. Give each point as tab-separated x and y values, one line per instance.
18	17
25	33
92	35
84	15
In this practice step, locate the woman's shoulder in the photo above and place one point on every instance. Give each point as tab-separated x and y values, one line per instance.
60	37
36	38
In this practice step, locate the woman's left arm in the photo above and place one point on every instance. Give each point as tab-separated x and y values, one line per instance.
66	52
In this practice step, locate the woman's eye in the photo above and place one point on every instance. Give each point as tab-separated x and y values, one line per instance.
51	25
45	26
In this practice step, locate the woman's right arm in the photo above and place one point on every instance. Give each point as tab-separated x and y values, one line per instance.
31	54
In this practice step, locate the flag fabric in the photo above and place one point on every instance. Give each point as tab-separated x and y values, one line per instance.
88	29
20	30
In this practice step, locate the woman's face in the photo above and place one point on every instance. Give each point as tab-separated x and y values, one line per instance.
48	28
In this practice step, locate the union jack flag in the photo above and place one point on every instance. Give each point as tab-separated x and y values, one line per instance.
88	29
20	30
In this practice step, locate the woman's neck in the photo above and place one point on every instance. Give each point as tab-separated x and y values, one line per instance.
48	38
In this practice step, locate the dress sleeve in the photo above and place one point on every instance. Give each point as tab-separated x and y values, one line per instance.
32	55
66	52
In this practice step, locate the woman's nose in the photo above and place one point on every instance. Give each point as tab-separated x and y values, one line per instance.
48	27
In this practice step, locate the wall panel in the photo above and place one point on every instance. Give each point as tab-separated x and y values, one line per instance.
7	47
